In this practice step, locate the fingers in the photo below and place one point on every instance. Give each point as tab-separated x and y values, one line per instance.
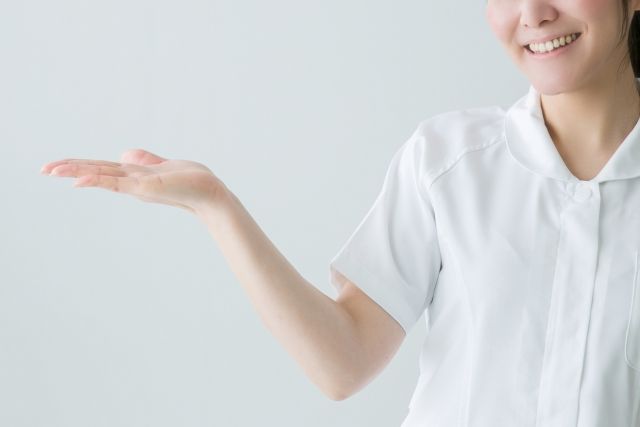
98	173
129	184
48	167
79	169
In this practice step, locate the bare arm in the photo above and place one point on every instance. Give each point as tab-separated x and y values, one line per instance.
341	345
379	334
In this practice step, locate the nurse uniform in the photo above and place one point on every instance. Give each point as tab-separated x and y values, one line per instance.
527	275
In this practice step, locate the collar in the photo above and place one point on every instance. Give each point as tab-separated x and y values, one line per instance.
529	142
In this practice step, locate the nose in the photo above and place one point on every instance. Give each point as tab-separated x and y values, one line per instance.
533	13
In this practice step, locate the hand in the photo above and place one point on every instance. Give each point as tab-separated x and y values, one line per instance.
151	178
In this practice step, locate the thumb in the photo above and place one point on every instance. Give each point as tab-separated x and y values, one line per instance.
142	157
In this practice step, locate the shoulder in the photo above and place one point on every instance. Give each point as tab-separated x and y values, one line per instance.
441	140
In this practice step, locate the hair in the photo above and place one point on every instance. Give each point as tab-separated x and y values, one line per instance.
633	41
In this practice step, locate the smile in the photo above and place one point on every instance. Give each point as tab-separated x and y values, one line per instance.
553	48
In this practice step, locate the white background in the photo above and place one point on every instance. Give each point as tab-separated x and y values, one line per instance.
117	312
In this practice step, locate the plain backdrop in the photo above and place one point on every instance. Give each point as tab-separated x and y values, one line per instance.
117	312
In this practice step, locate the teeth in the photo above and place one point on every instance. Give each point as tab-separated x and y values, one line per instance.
552	44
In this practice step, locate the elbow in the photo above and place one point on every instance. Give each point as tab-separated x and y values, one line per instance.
349	383
338	395
334	391
342	391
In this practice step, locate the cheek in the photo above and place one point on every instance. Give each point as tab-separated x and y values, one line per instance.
595	8
601	17
501	24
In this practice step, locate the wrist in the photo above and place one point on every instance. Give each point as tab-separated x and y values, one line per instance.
215	204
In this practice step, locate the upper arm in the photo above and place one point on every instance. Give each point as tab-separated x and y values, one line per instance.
379	334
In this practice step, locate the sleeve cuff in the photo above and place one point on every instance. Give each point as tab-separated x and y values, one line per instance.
376	288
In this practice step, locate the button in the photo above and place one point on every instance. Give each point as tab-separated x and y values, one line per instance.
582	192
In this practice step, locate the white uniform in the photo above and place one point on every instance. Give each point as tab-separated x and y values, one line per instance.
528	276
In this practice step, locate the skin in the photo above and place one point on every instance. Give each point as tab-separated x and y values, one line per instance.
147	176
325	337
341	344
588	106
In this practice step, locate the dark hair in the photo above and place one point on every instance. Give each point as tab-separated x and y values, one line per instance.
634	36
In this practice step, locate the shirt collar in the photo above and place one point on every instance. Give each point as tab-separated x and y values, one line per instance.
529	142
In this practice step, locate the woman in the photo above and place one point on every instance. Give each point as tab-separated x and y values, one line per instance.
515	232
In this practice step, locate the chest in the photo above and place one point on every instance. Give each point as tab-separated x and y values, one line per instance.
543	258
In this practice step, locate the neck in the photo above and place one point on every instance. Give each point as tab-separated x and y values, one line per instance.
596	117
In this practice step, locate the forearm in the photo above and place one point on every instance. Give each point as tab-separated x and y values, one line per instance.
318	333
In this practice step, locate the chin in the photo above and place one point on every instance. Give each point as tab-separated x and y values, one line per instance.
552	86
548	90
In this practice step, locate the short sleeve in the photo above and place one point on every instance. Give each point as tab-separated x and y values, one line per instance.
393	255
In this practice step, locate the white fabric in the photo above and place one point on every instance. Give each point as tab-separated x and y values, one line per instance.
527	275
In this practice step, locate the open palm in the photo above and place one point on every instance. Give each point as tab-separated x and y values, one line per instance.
148	177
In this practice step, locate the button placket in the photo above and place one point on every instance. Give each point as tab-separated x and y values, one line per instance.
582	192
570	305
